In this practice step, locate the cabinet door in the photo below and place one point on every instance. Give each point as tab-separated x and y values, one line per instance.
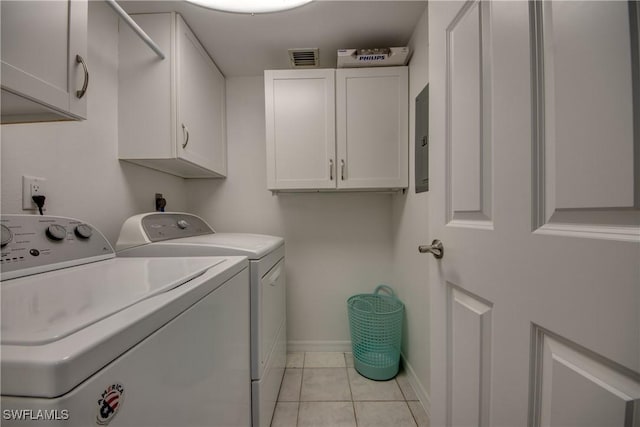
300	126
145	92
201	125
372	127
40	41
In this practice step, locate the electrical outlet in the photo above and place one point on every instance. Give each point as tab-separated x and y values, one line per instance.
32	186
161	202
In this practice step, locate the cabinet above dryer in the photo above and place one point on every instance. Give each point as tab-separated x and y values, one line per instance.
171	113
337	130
44	71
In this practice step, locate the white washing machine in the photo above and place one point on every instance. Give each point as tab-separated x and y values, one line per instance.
91	339
182	234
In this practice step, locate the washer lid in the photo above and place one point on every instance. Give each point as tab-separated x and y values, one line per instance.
46	307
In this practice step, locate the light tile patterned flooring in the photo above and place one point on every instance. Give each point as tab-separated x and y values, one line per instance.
324	390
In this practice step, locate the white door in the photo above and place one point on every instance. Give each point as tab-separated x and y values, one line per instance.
372	127
40	41
300	129
201	129
535	194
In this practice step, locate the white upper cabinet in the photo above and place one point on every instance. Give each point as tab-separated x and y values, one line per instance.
201	104
300	126
44	61
372	122
172	111
341	129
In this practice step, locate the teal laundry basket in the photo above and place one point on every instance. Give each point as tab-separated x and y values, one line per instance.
375	322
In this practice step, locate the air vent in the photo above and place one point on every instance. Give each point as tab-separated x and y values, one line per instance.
304	58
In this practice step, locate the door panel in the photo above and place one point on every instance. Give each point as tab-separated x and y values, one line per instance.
583	56
469	331
580	138
42	29
574	272
297	141
609	394
468	118
369	124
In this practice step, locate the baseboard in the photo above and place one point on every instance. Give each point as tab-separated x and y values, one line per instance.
421	392
343	346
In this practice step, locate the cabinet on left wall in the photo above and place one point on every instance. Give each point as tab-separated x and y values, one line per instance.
171	112
44	69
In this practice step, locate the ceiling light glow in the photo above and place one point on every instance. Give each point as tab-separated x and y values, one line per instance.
249	6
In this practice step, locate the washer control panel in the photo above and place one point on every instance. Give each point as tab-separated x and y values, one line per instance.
165	226
33	244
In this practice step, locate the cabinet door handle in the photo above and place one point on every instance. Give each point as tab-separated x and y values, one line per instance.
185	131
330	169
80	93
342	169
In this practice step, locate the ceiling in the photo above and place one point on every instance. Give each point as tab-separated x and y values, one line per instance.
245	45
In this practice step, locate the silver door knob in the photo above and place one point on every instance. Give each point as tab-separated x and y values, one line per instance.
436	249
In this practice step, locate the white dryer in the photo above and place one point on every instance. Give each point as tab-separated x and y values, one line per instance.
88	338
182	234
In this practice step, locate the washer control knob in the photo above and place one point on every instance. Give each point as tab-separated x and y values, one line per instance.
56	232
83	231
7	235
183	224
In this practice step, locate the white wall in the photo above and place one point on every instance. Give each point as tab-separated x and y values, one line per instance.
410	230
80	159
336	244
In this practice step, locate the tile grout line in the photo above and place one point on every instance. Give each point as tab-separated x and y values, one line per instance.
278	398
404	396
415	420
353	403
406	402
304	357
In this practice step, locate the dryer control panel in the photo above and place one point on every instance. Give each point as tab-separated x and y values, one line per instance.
165	226
34	244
